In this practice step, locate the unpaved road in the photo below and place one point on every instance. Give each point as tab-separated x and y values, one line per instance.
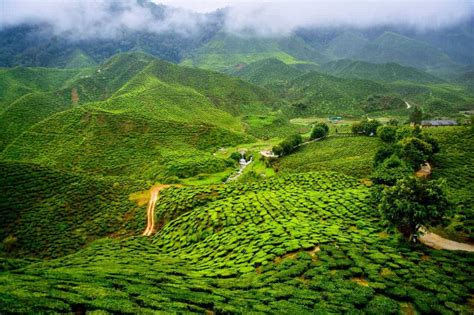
434	240
150	212
437	242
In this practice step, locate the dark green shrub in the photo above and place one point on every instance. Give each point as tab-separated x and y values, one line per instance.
387	133
382	305
391	170
413	203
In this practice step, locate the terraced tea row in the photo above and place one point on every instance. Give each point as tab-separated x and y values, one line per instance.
301	243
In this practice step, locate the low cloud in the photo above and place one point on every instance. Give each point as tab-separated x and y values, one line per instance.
283	17
99	18
104	18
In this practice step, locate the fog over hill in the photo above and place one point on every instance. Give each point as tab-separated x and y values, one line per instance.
434	34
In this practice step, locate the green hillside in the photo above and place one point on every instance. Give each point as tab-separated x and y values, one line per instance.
79	59
349	155
268	72
16	82
393	47
348	44
317	93
295	244
387	72
48	213
228	53
226	93
105	142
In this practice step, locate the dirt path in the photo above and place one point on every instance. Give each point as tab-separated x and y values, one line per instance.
437	242
240	172
424	171
434	240
150	211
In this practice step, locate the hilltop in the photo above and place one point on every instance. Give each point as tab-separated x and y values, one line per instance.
387	72
229	53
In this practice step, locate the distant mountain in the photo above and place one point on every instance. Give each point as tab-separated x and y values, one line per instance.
386	72
466	79
228	53
317	93
143	110
268	72
393	47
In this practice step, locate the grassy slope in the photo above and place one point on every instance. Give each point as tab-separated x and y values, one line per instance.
268	72
325	94
349	155
455	162
226	93
16	82
52	213
315	93
59	90
108	143
225	53
386	72
392	47
233	249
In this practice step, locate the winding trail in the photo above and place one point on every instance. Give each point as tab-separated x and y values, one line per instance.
240	172
434	240
437	242
150	212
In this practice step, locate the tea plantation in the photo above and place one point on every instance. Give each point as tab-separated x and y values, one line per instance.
455	162
302	243
349	155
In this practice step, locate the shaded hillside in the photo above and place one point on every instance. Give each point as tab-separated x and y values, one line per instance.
393	47
315	93
268	72
48	213
16	82
386	72
122	144
228	53
296	244
133	82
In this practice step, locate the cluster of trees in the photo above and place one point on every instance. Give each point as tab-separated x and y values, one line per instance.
413	203
407	202
288	145
366	127
320	130
410	147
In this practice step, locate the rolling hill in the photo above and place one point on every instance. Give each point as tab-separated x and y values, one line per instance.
228	53
386	72
268	73
393	47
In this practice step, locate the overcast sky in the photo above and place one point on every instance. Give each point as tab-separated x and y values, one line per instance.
89	18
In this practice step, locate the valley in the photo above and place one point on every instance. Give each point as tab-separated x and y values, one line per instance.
206	171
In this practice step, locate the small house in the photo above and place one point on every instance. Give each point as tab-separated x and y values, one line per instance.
438	123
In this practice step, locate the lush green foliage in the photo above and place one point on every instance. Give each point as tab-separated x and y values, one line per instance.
366	127
295	244
390	170
413	203
455	163
48	213
385	72
320	130
387	133
416	116
290	144
348	155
